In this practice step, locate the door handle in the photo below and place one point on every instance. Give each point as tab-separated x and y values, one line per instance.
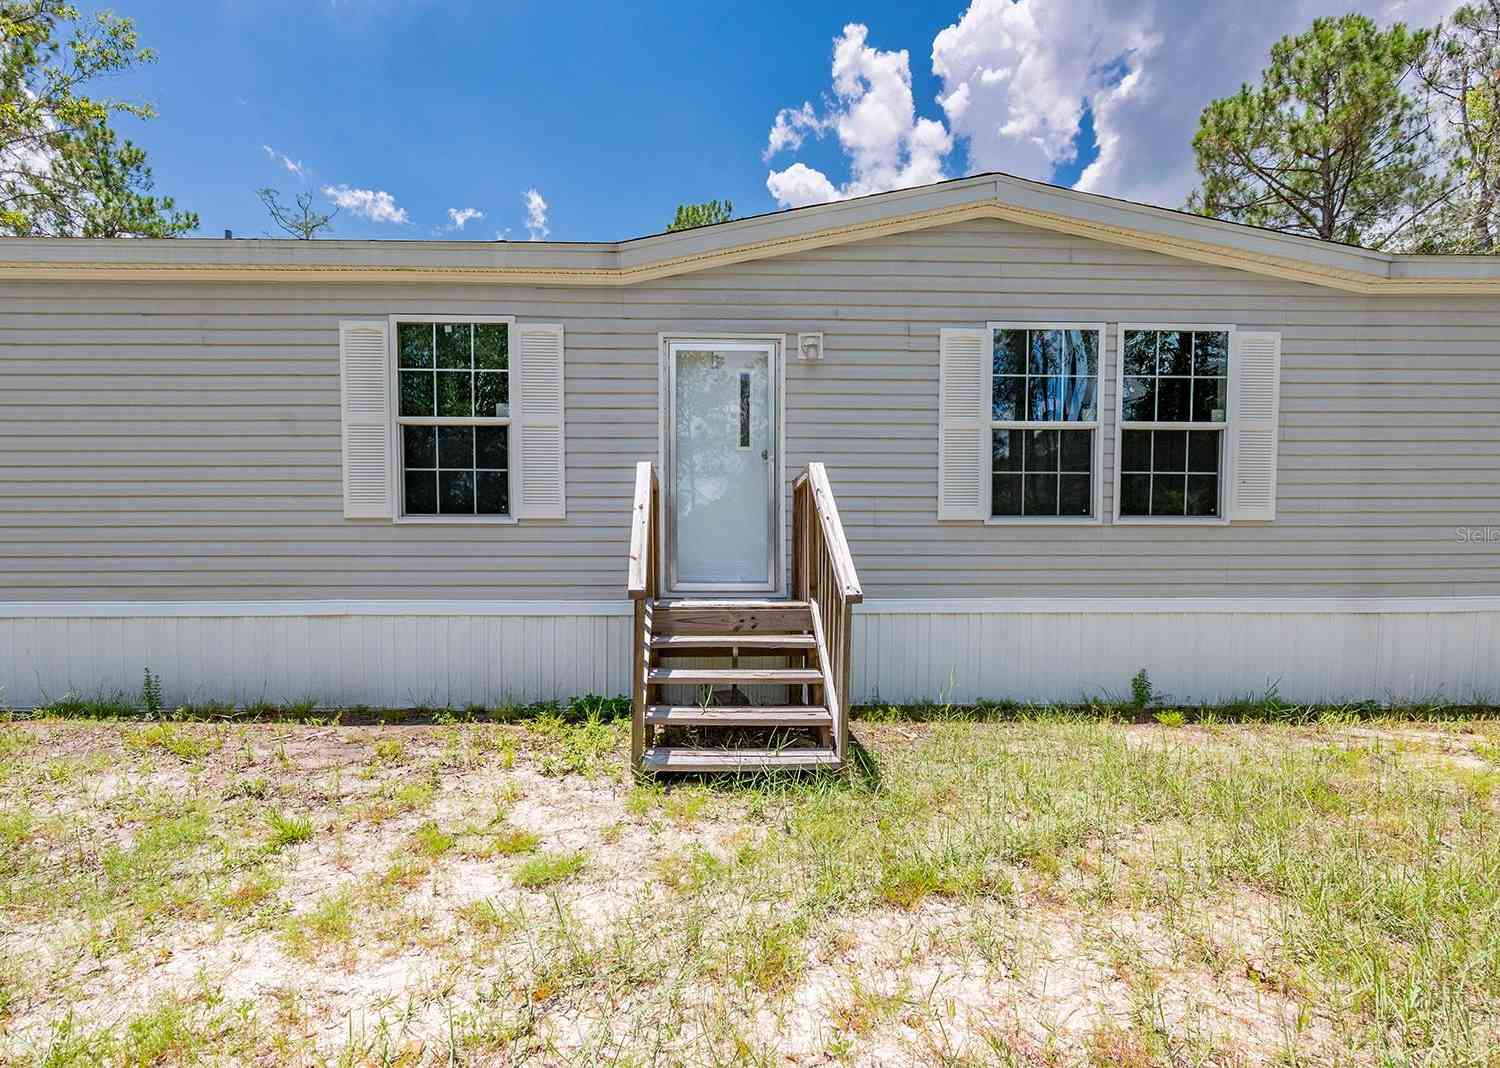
765	454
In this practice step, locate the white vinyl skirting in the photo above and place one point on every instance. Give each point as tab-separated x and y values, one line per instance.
437	654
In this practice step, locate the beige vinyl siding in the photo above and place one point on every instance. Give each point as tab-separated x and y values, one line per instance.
178	441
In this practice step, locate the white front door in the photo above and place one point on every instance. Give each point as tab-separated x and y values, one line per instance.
722	455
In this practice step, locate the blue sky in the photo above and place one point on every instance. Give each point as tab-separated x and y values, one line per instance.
614	115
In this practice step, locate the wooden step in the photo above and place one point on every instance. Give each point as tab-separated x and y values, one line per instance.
720	604
700	643
734	676
739	716
678	758
681	616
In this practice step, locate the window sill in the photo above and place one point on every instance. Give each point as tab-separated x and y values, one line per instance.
458	520
1170	521
1042	521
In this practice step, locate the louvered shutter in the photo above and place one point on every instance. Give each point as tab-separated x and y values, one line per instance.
543	489
1256	389
364	378
963	423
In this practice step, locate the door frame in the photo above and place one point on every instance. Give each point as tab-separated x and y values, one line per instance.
666	409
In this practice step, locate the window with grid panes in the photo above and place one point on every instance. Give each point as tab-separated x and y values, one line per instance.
1043	420
453	381
1174	390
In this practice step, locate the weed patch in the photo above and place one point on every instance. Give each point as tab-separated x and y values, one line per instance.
548	869
183	743
329	923
430	841
506	842
283	830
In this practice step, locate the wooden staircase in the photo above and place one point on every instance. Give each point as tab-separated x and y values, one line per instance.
698	706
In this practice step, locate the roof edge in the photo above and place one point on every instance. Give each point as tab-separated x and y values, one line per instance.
1064	211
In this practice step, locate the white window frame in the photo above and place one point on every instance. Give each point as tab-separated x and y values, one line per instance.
1225	429
1100	332
398	456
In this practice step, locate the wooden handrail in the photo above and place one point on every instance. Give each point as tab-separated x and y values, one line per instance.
643	571
823	574
833	533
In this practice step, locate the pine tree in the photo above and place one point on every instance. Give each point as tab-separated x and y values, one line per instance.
1330	144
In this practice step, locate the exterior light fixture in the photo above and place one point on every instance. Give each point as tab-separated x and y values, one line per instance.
810	346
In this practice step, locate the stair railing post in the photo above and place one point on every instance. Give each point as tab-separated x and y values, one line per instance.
846	634
638	689
643	587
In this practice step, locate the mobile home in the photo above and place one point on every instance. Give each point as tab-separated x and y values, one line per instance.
1010	441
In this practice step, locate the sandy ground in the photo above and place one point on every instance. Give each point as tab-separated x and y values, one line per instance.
443	957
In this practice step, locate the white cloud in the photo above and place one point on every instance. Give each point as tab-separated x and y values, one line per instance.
788	130
536	215
459	217
286	161
375	205
1017	75
875	119
800	185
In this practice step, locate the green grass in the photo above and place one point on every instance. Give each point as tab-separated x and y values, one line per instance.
182	743
328	924
430	841
764	954
1390	884
548	869
509	841
199	1027
283	830
389	751
117	707
585	747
